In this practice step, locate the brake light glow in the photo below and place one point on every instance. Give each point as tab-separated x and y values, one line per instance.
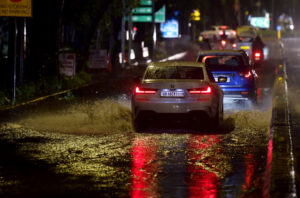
257	54
221	33
234	32
139	90
223	42
234	45
206	90
247	74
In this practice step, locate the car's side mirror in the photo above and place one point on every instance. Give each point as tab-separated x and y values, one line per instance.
222	79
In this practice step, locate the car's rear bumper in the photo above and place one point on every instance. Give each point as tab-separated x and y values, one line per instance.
238	95
206	106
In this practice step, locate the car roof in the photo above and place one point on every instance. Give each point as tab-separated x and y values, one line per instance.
221	52
220	26
176	63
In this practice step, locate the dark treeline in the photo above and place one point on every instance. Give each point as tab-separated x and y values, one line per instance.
75	24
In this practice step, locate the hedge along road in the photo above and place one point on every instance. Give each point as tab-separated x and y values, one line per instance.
86	147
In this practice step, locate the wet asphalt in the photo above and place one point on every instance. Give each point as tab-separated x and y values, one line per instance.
292	60
85	146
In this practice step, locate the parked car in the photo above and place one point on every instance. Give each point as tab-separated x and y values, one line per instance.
241	84
177	88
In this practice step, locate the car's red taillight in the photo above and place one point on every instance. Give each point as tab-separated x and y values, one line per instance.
206	90
221	33
234	45
140	90
257	55
246	74
223	42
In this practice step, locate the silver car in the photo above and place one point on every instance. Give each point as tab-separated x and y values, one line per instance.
177	88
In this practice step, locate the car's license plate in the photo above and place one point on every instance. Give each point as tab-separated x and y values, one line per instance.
172	94
245	47
228	79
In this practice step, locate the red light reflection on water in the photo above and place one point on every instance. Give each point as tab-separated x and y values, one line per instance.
249	171
144	168
267	176
202	179
259	94
251	181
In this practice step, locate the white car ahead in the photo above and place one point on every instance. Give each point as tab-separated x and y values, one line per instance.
177	88
214	32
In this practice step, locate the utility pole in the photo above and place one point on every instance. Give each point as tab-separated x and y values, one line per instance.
15	59
153	32
21	48
237	10
123	35
272	15
130	36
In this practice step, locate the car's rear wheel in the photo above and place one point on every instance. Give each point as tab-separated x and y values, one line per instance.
254	98
218	119
221	116
139	124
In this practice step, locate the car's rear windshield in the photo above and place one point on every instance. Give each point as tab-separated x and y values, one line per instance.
222	61
174	72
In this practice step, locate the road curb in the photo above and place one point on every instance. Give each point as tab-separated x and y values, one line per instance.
282	171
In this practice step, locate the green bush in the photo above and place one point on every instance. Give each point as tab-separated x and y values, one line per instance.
4	100
44	86
26	91
80	79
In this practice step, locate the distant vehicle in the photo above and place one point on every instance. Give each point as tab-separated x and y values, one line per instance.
177	88
233	64
214	32
285	23
254	47
226	43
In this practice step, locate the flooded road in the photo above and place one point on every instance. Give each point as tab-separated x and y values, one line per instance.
87	148
113	159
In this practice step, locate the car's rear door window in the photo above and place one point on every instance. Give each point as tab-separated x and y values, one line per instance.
174	72
223	61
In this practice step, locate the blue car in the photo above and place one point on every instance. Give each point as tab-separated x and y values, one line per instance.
241	81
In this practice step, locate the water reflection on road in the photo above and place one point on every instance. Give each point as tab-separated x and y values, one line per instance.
204	166
170	162
144	168
201	165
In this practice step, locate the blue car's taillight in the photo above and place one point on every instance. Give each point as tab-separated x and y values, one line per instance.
246	74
